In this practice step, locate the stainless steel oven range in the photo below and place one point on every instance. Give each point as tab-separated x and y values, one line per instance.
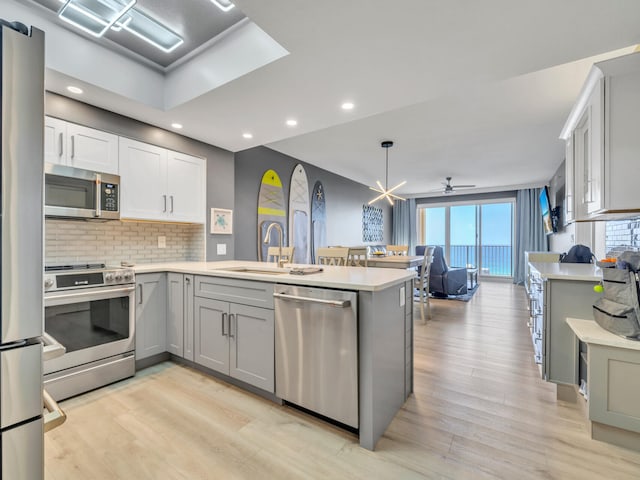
89	309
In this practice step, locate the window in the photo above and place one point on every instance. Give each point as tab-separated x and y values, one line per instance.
476	235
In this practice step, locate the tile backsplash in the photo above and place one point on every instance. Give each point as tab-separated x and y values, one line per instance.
622	235
71	241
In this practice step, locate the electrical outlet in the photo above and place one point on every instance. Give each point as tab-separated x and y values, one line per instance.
162	241
221	248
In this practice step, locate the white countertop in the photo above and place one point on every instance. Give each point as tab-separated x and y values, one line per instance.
586	272
589	331
351	278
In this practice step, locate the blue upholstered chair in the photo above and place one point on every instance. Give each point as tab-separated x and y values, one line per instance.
443	280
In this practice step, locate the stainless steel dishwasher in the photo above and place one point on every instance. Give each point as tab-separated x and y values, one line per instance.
317	350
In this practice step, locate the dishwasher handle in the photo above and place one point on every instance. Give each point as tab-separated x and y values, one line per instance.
297	298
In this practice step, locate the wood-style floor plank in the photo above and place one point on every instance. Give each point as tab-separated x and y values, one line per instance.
480	410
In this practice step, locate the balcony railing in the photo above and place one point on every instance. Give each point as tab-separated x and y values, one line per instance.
496	260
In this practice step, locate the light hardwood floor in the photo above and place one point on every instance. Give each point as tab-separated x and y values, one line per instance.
480	410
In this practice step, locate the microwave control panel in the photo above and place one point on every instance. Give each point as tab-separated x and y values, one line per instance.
109	197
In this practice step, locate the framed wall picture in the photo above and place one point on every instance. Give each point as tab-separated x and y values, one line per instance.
221	220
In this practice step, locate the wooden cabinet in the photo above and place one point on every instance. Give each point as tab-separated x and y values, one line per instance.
151	314
180	315
236	339
602	129
77	146
159	184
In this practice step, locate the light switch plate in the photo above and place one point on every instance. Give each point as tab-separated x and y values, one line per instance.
402	297
221	248
162	241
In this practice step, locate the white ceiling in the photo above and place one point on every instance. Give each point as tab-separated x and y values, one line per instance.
478	90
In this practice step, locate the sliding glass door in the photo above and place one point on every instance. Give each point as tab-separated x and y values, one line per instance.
473	235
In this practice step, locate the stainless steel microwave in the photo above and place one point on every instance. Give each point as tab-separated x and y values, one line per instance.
76	193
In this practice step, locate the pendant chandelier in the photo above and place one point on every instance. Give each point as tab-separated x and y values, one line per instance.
386	192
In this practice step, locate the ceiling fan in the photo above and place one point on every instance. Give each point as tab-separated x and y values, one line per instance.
448	188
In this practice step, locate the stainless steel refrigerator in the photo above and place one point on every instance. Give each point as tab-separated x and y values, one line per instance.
21	252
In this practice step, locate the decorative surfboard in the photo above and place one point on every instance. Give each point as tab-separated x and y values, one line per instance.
318	219
299	216
271	209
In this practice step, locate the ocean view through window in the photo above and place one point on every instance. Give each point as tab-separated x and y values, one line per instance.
475	235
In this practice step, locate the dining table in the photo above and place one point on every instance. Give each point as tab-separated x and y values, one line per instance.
395	261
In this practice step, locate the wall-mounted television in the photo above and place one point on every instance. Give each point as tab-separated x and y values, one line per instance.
549	216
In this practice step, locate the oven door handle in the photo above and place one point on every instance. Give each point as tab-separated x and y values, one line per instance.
55	416
99	294
52	348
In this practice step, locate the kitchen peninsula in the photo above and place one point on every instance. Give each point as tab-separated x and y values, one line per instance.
220	315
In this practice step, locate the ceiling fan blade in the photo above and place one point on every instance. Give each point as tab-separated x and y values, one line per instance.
462	186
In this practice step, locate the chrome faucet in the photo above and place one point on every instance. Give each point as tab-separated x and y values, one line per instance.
267	237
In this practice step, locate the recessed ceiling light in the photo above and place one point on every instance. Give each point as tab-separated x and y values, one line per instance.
224	5
247	135
348	106
177	125
73	89
292	123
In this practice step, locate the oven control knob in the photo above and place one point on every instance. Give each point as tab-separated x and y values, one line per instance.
128	276
118	277
108	277
48	283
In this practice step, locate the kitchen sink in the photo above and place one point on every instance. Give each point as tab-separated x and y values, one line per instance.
260	270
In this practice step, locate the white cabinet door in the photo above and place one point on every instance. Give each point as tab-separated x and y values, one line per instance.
92	149
186	187
569	187
595	163
55	138
143	179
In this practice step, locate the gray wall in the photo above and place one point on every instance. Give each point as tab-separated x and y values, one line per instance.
220	169
344	199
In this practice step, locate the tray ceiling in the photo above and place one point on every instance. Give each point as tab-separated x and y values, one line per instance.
196	21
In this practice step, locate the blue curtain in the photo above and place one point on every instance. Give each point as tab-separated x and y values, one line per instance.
404	224
529	232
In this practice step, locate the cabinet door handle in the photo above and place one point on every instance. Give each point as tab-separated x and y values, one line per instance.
60	150
140	301
73	146
164	200
171	198
187	279
232	318
224	317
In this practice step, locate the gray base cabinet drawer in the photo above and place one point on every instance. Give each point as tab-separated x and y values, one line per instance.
245	292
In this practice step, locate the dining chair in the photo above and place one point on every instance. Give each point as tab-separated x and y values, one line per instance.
273	255
421	281
393	250
332	256
357	257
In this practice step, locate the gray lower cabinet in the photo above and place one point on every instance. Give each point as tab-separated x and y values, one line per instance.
180	315
236	340
151	314
234	329
614	387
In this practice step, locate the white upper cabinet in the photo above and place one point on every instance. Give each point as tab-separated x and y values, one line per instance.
603	128
143	177
81	147
569	175
159	184
186	187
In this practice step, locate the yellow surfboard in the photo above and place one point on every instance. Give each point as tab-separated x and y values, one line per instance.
271	209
